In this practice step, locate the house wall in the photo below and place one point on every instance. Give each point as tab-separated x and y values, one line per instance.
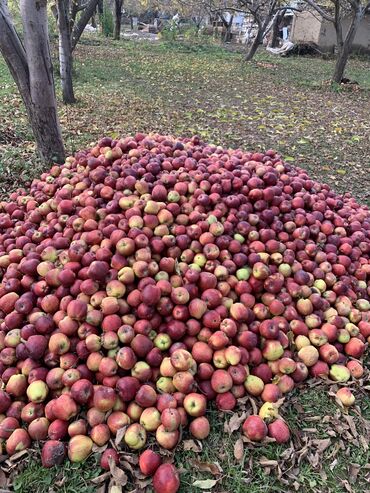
306	28
361	41
310	28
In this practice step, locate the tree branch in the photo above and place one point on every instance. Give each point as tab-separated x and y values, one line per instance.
13	50
78	29
322	12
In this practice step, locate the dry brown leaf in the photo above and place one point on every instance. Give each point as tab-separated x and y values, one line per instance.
131	458
3	479
322	444
119	436
18	455
354	469
239	449
205	484
235	422
119	476
351	422
268	463
99	450
214	468
192	445
101	479
114	488
143	483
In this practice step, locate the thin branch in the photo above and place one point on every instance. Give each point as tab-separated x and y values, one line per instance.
322	12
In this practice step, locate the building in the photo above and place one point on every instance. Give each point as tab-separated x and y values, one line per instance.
310	28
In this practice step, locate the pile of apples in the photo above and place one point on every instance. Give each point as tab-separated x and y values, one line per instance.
149	275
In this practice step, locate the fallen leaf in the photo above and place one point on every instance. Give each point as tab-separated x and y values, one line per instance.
239	449
101	479
119	436
191	445
213	468
234	422
119	476
322	444
205	484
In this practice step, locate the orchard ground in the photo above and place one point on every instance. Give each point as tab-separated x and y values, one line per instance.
183	89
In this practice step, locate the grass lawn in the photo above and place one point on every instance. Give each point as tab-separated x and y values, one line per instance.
285	103
124	87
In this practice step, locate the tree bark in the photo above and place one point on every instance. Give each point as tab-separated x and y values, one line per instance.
65	52
31	68
345	45
275	31
256	42
227	37
118	18
81	24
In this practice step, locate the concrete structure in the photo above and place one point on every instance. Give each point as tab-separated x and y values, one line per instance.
311	28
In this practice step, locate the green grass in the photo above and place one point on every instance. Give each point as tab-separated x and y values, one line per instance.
71	478
183	89
301	465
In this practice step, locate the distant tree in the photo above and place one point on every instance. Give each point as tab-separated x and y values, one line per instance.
87	9
118	18
262	12
30	64
336	12
65	50
70	30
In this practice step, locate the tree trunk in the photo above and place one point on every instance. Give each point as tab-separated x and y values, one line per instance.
65	51
118	18
256	42
227	37
345	46
31	69
81	24
93	20
275	31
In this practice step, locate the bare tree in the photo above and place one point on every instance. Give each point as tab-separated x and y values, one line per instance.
227	21
262	13
275	29
88	11
354	11
65	51
31	67
118	18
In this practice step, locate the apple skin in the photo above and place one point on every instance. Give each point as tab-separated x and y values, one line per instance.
167	439
79	448
255	428
7	426
279	430
104	398
135	436
37	391
221	381
150	418
64	407
149	462
345	396
19	440
53	453
195	404
82	390
200	428
166	479
100	434
170	419
109	454
38	429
